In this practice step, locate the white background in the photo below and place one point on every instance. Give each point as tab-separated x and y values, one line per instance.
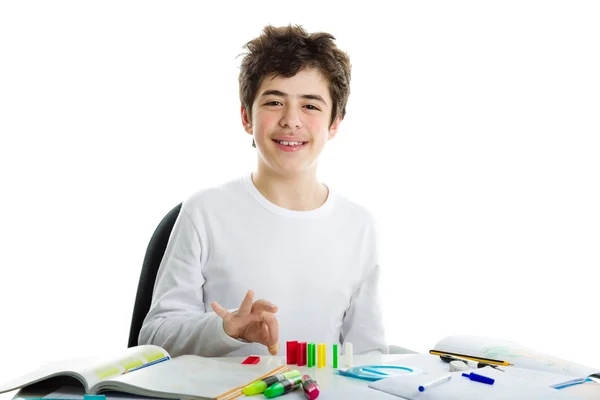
472	133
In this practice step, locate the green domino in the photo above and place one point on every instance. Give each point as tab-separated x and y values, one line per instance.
335	356
311	355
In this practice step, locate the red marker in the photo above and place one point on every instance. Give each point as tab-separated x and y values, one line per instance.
310	387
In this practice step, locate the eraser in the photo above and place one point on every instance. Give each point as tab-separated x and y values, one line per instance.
251	360
457	365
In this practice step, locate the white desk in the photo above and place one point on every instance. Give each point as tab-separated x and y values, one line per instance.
329	381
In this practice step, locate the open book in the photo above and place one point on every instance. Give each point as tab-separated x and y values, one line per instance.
149	371
513	353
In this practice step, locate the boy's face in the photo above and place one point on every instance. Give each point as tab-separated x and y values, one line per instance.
290	122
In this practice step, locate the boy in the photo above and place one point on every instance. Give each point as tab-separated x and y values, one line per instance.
277	233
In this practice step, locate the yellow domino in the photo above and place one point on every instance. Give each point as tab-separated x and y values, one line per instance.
322	355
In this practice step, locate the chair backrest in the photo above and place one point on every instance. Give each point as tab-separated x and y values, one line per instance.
154	254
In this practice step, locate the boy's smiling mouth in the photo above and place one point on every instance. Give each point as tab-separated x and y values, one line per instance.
289	143
289	146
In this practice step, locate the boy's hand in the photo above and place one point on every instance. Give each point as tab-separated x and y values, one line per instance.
254	322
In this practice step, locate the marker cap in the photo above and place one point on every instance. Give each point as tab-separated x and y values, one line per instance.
479	378
310	387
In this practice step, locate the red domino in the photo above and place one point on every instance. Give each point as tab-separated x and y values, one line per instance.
292	352
301	357
251	360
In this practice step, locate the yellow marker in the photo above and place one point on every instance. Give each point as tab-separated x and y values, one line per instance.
478	359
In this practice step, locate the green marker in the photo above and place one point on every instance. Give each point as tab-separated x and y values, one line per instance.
283	387
261	385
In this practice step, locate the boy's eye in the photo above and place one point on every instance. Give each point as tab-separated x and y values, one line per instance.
278	103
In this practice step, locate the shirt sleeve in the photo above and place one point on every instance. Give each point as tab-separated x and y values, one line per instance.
178	320
363	321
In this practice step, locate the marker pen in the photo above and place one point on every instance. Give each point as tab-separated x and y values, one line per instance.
310	387
434	383
479	378
283	387
261	385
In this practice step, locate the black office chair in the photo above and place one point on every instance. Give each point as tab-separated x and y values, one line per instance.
154	254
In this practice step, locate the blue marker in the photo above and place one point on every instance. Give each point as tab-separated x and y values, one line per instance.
479	378
571	383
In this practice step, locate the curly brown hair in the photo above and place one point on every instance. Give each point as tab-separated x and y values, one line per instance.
285	51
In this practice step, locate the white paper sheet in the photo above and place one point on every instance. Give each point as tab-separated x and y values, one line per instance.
462	388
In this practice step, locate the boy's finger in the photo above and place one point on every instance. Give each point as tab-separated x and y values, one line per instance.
274	349
220	311
246	306
273	340
264	305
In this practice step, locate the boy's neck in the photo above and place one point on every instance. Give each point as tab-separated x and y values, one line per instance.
301	192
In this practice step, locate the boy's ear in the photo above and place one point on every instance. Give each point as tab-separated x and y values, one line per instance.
333	130
246	120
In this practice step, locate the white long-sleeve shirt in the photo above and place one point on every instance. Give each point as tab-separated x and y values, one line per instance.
320	267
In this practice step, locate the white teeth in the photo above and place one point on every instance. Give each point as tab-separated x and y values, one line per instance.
289	143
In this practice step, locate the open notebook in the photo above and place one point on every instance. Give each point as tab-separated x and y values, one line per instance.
149	371
530	375
514	353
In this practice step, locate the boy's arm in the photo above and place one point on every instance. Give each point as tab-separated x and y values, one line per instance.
363	322
178	320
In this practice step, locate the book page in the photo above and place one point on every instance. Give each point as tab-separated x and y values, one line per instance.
188	376
91	370
123	362
67	367
514	353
